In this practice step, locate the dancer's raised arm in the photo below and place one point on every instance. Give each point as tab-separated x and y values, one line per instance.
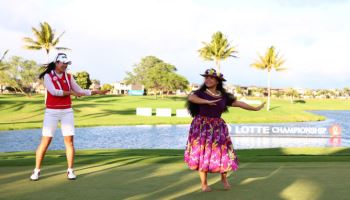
195	99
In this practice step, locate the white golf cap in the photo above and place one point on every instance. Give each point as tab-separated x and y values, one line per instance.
62	57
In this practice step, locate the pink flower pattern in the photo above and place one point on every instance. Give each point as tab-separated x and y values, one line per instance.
209	147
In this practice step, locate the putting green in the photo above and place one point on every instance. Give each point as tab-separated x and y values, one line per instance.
287	173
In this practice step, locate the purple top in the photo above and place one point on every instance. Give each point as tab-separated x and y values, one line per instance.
212	110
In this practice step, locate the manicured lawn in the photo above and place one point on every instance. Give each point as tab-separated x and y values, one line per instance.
20	112
282	173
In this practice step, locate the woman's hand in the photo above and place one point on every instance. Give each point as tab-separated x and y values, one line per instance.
260	107
212	102
99	92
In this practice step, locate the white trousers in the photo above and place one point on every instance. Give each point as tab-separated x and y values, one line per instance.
53	116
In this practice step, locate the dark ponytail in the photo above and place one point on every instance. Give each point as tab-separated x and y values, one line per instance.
47	69
193	108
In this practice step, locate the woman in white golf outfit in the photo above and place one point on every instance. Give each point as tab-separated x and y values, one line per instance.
60	86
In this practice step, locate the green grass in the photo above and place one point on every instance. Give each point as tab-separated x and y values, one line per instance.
281	173
20	112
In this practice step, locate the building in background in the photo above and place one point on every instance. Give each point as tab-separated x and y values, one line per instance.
121	88
95	85
39	87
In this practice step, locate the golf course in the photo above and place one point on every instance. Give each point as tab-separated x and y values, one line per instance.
174	100
280	173
21	112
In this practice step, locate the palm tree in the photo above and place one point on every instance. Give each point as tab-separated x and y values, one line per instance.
2	66
271	60
44	38
346	91
291	92
218	49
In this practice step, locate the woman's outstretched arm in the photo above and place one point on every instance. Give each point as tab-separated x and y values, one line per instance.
246	106
78	91
195	99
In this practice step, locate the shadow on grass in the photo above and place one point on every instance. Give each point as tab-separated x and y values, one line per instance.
19	105
89	105
161	174
26	122
274	107
108	112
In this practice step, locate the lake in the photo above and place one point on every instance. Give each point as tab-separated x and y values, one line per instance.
244	136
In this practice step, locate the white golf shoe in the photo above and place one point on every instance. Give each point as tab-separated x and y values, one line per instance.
35	175
70	174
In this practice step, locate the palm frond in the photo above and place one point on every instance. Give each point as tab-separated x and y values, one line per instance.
281	69
56	41
218	49
3	55
31	42
37	35
31	47
271	60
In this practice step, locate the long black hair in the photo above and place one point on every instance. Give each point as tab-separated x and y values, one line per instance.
193	108
47	69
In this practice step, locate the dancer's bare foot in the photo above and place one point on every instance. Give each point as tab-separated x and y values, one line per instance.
227	185
206	188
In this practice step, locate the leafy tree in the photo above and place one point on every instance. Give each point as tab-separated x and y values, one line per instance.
156	76
83	79
292	93
326	93
309	93
346	91
107	87
20	74
176	82
239	90
140	70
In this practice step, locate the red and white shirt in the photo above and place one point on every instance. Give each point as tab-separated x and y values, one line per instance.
55	84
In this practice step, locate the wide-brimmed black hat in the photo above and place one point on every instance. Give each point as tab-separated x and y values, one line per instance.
212	72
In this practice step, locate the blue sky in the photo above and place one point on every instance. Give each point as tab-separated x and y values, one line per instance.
108	37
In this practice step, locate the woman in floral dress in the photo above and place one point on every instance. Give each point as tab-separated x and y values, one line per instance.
209	148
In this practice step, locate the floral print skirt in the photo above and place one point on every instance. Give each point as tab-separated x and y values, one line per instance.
209	147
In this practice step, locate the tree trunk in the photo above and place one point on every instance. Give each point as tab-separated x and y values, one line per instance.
268	91
217	63
47	56
22	91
